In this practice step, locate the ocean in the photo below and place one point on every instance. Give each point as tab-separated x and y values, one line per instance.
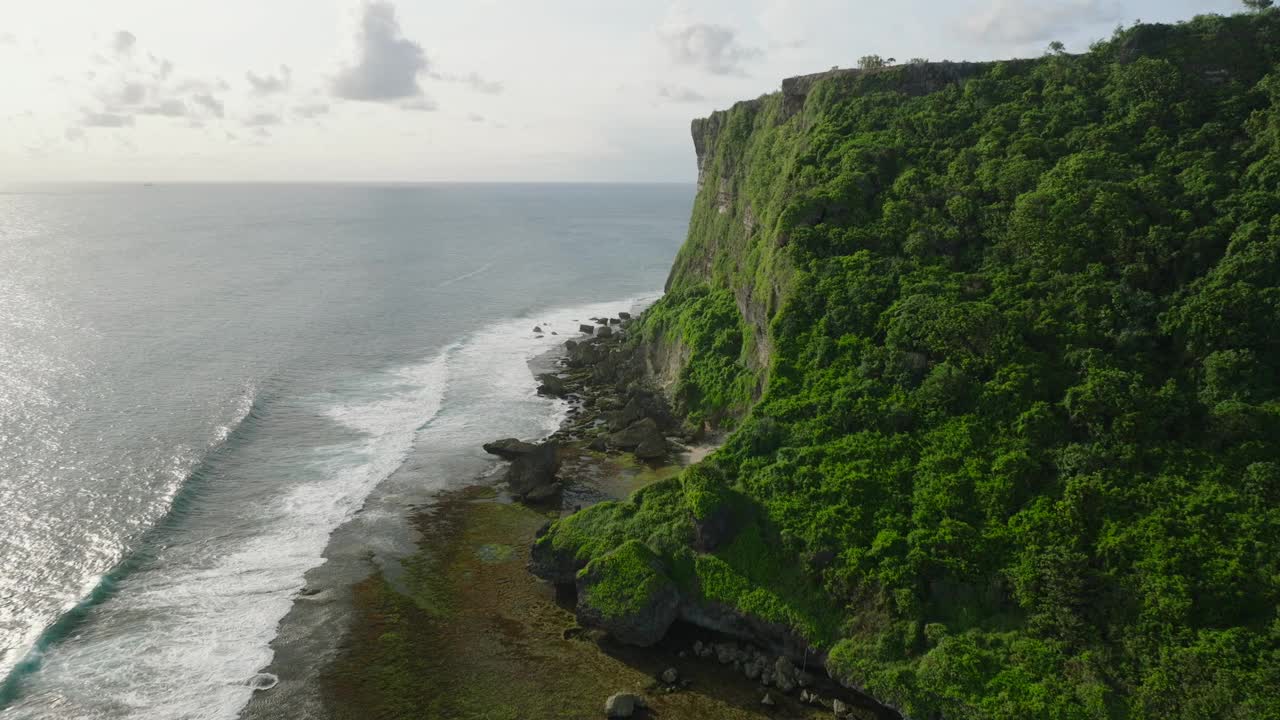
218	403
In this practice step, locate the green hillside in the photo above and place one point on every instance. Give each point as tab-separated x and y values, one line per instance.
999	346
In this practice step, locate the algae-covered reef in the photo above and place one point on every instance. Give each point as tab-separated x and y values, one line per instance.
998	347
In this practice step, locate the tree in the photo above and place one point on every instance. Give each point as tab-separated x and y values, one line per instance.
1258	5
872	62
1057	48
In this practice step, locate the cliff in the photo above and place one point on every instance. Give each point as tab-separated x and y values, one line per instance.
996	343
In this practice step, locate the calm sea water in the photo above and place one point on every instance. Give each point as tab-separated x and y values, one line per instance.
206	391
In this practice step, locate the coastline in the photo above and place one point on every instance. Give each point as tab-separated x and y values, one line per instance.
464	630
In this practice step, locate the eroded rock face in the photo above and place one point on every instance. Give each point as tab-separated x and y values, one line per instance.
552	385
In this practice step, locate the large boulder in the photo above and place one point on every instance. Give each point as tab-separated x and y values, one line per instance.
643	436
604	332
587	329
628	594
509	448
533	470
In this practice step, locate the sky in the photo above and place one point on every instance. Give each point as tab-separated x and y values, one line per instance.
456	90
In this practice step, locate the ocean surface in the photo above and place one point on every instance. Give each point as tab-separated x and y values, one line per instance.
212	396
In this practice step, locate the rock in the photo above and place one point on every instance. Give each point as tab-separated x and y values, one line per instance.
670	676
624	316
537	328
768	700
784	675
652	448
615	321
552	385
643	432
533	469
601	321
587	329
628	594
840	709
804	679
604	332
726	652
754	669
622	705
543	493
509	448
598	445
702	650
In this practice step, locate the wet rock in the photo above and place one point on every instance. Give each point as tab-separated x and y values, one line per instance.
543	493
604	332
552	385
670	676
587	329
601	321
624	316
509	448
622	705
537	328
534	469
615	321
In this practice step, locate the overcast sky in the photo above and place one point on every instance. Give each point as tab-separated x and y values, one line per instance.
468	90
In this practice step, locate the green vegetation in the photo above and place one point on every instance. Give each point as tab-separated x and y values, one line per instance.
1017	453
629	577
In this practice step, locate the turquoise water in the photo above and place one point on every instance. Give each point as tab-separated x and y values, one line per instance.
199	385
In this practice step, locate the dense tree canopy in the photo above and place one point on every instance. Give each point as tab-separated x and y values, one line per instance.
1021	423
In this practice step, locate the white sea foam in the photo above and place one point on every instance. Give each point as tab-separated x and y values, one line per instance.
190	636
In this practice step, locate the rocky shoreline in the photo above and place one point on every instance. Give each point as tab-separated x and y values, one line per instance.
462	629
616	411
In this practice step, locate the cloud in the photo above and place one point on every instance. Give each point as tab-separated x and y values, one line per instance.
474	81
7	38
711	48
311	111
105	120
134	84
123	41
262	119
676	93
475	117
421	104
387	63
1023	21
213	105
270	84
166	108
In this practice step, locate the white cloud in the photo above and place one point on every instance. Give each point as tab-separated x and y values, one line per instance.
1022	21
268	84
712	48
123	41
387	63
262	119
680	94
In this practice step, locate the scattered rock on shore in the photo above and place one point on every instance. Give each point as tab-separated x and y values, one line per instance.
587	329
604	332
622	705
509	448
642	436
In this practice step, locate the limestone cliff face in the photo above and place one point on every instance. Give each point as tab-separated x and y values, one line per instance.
745	211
